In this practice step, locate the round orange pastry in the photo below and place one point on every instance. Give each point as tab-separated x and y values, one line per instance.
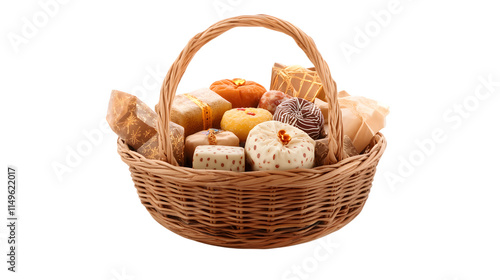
240	92
241	120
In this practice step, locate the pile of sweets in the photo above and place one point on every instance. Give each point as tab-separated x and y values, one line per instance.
238	125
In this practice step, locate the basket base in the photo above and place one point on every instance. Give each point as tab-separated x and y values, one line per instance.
262	240
254	209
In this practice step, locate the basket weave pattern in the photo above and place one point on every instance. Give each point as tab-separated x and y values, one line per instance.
258	209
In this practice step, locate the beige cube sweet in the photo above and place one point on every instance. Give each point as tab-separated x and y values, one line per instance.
217	157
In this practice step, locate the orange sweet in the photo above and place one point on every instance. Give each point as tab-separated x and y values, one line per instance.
240	92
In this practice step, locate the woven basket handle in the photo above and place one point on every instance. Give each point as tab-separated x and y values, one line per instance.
179	66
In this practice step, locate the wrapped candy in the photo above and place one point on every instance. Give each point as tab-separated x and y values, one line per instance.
274	145
218	157
301	114
199	110
133	121
211	136
321	150
297	81
150	149
362	118
131	118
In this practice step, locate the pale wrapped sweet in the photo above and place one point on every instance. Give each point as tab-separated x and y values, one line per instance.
297	81
274	145
362	118
199	110
218	157
342	93
135	123
211	136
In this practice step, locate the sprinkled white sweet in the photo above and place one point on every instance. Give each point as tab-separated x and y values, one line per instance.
274	145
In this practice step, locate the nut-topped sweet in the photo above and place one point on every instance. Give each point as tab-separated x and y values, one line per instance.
274	145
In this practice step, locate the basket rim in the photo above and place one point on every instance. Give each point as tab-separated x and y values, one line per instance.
379	148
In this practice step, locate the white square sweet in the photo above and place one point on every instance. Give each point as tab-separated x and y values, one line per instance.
218	157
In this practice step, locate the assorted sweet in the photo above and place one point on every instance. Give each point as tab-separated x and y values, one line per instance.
362	118
280	129
241	120
217	157
271	99
301	114
240	92
211	136
322	149
349	149
199	110
297	81
133	121
274	145
150	149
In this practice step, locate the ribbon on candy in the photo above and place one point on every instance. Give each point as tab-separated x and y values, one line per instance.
206	111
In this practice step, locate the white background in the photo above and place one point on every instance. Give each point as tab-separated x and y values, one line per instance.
433	212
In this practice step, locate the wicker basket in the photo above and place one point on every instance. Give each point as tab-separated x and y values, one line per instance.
258	209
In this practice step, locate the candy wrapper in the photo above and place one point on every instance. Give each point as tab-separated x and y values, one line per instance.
362	118
133	121
297	81
321	150
209	137
150	149
199	110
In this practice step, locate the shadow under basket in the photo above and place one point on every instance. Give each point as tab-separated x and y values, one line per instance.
257	209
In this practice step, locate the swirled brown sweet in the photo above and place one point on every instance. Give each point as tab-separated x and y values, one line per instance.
302	114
